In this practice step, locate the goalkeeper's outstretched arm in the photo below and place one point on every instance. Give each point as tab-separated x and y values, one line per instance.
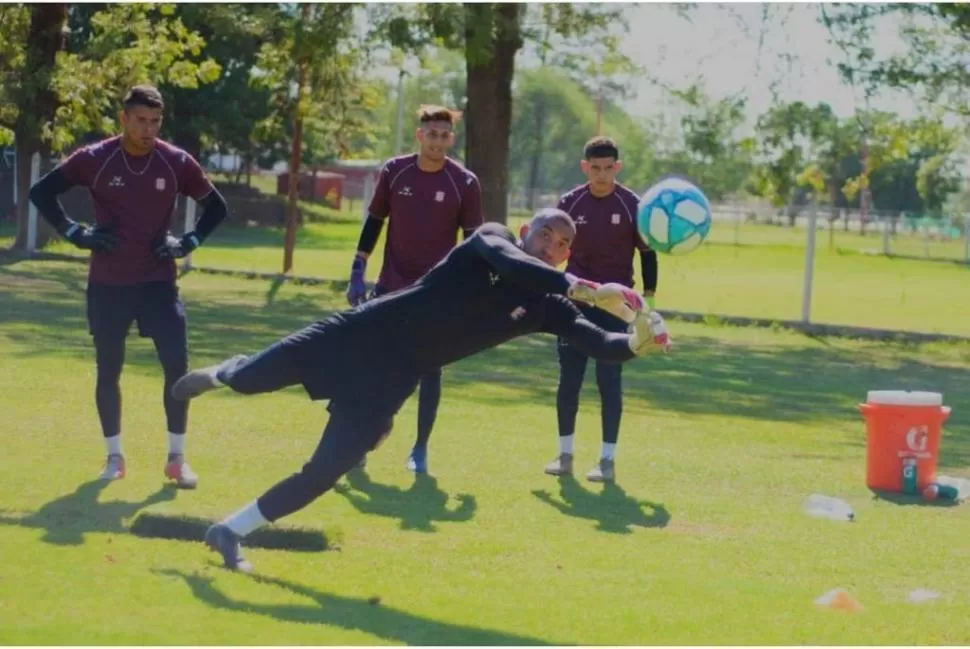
564	319
648	332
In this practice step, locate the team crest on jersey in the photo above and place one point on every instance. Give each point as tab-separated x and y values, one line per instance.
160	184
439	196
615	219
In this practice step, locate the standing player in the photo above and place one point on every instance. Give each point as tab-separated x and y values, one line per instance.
429	197
368	361
134	180
606	235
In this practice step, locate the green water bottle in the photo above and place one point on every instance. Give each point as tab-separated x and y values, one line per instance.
947	492
909	475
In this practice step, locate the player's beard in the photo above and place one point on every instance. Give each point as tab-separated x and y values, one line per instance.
141	145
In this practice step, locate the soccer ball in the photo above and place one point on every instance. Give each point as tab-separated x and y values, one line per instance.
674	216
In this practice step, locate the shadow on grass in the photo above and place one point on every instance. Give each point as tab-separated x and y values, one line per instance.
910	500
612	508
813	381
419	507
67	519
351	613
191	528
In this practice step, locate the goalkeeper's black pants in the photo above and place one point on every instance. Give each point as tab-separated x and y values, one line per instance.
358	423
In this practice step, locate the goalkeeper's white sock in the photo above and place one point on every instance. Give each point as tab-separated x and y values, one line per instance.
609	451
113	444
176	444
566	444
246	520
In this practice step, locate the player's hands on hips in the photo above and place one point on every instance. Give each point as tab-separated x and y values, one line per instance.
649	333
99	238
357	289
173	247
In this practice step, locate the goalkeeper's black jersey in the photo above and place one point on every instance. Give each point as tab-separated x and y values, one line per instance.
485	292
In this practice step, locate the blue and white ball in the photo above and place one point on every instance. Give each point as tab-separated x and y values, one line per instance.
674	216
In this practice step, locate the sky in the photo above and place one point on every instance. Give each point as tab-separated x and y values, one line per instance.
720	45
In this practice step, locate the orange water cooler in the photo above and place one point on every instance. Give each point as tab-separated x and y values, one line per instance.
901	425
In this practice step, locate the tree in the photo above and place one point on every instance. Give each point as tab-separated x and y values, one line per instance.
59	93
222	115
710	150
934	64
314	75
490	35
35	36
784	134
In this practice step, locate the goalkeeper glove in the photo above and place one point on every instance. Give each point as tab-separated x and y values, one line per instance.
357	290
100	238
173	247
580	290
648	332
616	299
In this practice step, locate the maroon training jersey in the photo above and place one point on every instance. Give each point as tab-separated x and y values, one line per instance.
136	197
426	209
606	234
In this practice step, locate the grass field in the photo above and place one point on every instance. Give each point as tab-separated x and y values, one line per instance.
701	541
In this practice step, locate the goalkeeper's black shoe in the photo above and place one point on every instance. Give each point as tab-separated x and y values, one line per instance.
224	541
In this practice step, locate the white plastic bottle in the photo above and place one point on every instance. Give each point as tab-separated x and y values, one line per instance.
828	507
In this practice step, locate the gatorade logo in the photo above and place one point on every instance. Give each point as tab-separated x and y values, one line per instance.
916	439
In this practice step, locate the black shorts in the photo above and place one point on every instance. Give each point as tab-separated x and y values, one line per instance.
155	306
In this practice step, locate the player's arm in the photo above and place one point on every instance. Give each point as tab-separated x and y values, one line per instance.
197	186
369	234
44	195
496	245
648	332
214	210
649	269
562	318
377	213
470	217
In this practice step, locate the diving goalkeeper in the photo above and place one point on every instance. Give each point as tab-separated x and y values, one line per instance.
367	361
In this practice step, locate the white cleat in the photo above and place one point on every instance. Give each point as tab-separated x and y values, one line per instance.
114	467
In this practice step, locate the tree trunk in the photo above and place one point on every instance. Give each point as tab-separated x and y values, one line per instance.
489	89
37	106
538	142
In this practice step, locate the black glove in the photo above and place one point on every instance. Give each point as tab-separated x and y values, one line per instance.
173	247
99	238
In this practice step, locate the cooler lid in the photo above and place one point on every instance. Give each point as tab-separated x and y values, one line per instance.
904	398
